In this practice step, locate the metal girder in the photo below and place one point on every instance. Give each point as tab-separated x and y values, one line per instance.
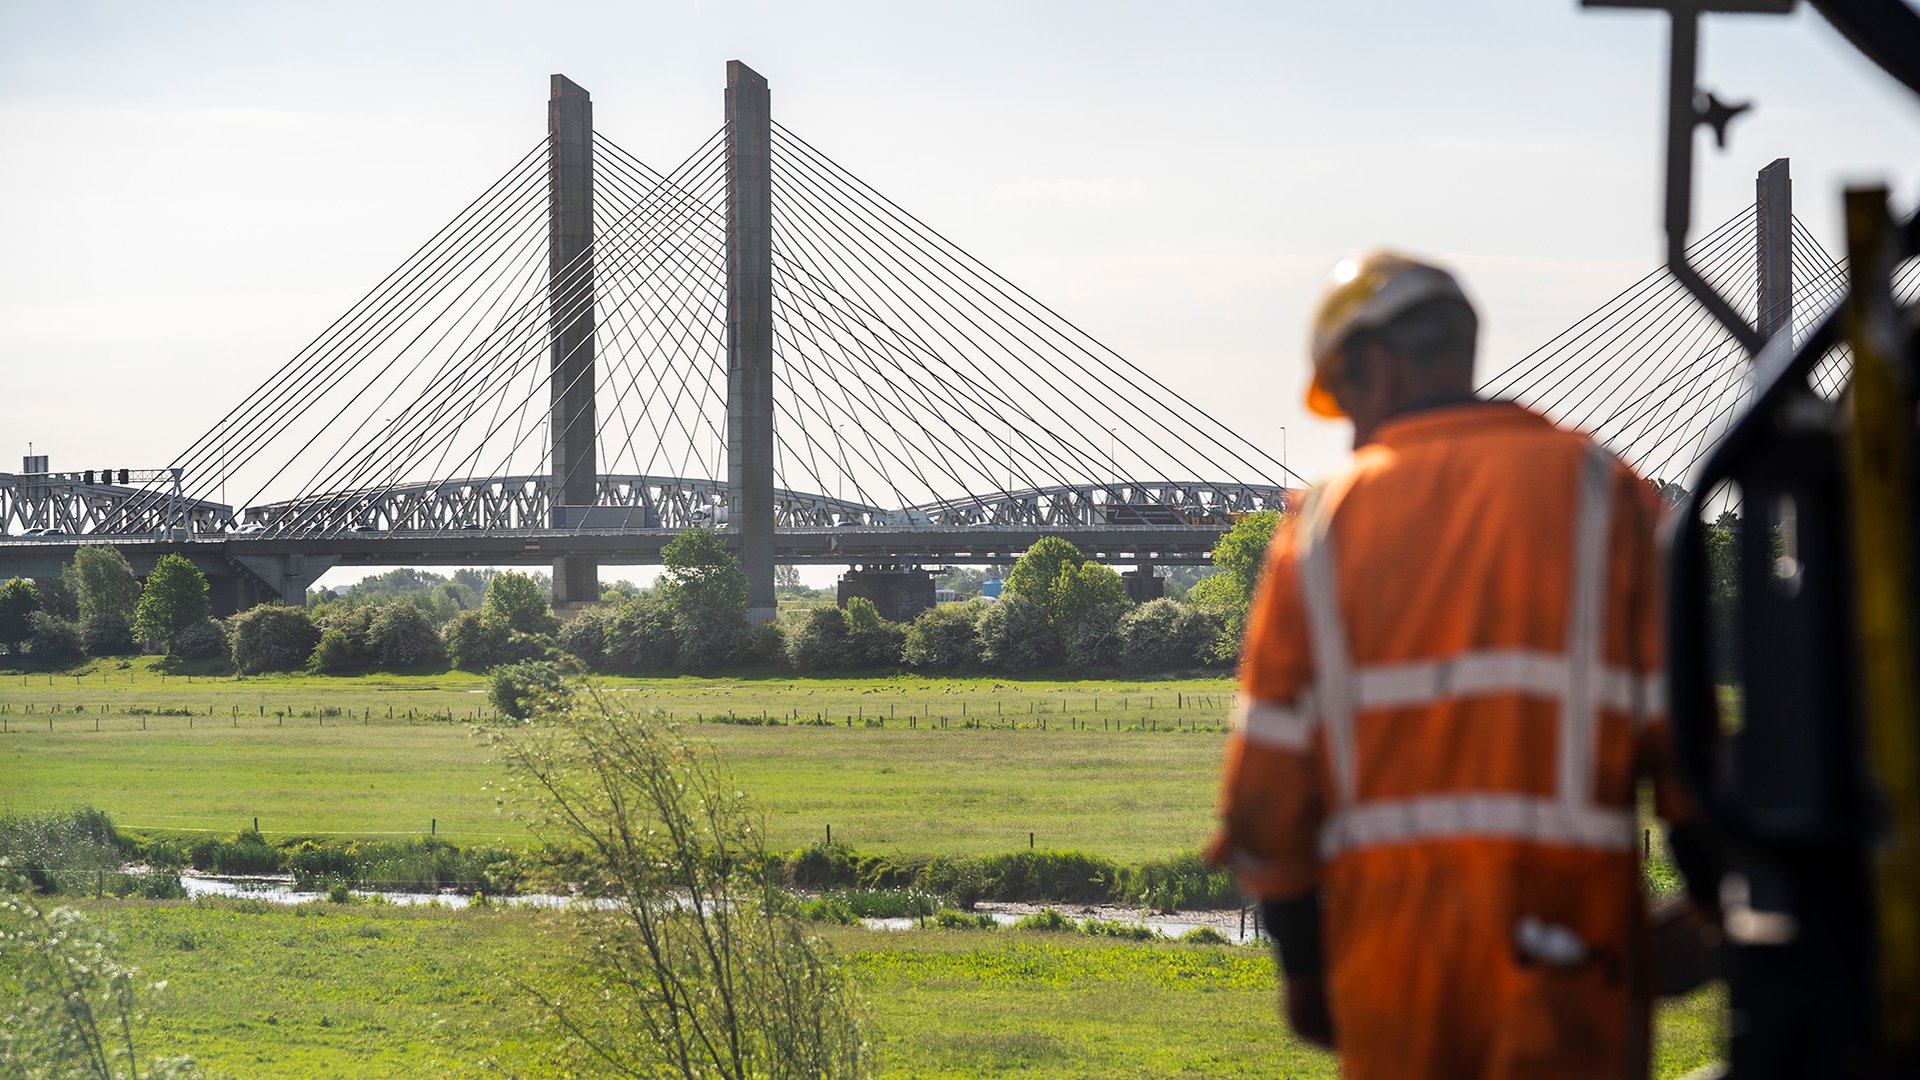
521	503
67	503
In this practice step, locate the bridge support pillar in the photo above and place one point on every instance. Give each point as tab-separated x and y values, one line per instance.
750	332
574	483
1773	209
897	593
282	577
1143	585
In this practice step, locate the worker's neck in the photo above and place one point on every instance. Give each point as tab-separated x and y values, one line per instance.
1439	399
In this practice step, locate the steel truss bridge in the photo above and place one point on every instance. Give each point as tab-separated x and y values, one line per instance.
595	354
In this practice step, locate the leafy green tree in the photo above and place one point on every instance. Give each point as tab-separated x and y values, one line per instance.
102	583
1015	636
56	597
517	602
18	601
174	596
1240	556
965	581
1036	571
705	591
1085	606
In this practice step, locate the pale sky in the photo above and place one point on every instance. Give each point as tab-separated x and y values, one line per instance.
192	191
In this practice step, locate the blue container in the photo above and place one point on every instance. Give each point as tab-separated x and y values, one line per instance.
991	587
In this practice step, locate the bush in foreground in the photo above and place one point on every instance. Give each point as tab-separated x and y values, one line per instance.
71	1008
518	689
691	906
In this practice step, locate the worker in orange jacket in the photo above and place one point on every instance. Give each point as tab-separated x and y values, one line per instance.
1451	686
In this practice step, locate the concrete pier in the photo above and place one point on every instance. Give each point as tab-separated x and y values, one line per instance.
750	333
570	311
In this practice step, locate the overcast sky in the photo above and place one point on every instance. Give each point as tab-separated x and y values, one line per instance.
193	190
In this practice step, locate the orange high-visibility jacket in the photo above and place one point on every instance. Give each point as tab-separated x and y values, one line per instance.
1451	684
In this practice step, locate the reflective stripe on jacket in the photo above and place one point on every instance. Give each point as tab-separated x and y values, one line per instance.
1451	685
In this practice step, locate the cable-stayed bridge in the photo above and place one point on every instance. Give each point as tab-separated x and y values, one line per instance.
595	354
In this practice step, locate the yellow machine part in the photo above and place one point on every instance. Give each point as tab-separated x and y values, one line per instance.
1880	440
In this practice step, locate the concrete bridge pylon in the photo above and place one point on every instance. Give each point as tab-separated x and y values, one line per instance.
749	136
570	312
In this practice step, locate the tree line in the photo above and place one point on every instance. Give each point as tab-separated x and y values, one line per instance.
1057	610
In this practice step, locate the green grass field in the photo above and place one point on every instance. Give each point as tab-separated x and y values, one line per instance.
1124	770
908	787
372	991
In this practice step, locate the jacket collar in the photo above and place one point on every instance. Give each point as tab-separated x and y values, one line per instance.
1453	419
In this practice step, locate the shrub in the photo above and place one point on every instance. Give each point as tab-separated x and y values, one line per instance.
60	852
821	642
1165	635
639	638
818	865
871	640
1114	928
401	635
245	853
109	634
333	655
273	637
754	994
956	877
1046	920
51	637
1204	935
761	645
1015	636
949	919
350	622
517	690
945	638
474	642
584	636
201	640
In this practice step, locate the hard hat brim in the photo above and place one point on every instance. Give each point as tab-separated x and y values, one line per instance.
1320	400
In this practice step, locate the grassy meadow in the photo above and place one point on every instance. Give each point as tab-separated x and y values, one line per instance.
1124	770
321	756
362	990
